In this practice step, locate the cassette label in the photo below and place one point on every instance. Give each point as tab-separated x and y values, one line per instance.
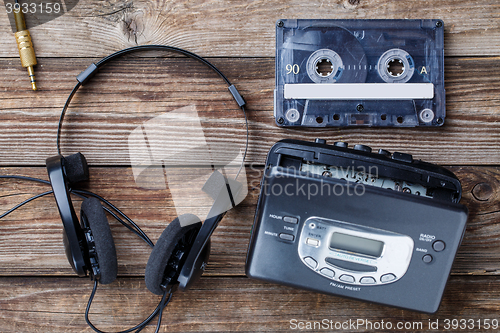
359	72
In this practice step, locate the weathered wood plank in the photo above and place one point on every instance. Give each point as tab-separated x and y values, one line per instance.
239	28
31	237
38	290
221	305
104	113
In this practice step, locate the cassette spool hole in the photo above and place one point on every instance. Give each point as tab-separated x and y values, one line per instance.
324	67
395	67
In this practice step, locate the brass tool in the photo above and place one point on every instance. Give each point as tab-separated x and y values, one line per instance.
25	46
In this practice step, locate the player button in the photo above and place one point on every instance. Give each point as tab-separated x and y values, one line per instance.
363	148
340	144
347	278
427	258
387	277
320	141
402	157
291	219
312	242
287	237
311	262
327	272
367	280
438	246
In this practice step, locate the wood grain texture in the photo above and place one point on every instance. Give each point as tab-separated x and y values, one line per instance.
31	305
104	113
31	236
38	290
240	28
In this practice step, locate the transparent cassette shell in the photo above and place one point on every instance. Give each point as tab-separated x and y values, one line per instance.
359	73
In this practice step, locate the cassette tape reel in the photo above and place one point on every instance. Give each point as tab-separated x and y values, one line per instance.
359	73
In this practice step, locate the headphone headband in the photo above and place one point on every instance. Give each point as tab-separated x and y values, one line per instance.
85	76
72	233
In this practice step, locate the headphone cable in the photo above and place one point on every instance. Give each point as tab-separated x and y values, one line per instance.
82	194
24	203
167	296
138	231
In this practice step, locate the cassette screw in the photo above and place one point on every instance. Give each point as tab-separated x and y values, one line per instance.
360	107
281	24
281	121
439	24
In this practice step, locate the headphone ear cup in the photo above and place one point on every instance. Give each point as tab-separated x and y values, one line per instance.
163	250
76	168
95	216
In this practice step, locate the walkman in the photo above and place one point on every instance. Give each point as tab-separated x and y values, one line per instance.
378	227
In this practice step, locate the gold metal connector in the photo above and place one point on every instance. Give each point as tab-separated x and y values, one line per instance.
31	72
25	46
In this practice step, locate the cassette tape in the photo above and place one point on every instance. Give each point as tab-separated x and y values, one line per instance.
359	73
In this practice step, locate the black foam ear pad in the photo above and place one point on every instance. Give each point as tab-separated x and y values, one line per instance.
104	244
76	168
163	249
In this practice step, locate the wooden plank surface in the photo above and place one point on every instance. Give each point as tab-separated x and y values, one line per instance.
239	27
31	305
104	113
40	250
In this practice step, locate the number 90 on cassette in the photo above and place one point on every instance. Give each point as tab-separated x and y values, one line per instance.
359	73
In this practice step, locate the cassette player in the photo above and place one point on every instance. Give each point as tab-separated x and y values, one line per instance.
378	227
359	73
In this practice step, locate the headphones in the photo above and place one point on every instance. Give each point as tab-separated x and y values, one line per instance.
180	255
